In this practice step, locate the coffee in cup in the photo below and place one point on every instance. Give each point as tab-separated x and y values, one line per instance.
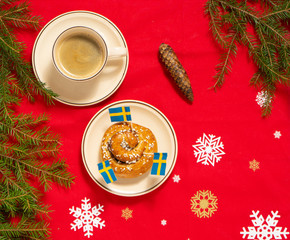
80	53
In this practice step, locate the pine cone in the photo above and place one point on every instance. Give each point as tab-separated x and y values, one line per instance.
176	70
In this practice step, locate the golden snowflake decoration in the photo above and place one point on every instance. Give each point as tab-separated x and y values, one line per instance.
127	213
204	203
254	165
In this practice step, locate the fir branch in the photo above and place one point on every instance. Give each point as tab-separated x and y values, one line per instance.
8	45
9	180
269	89
280	12
7	99
216	25
257	79
6	2
11	49
56	172
226	60
241	8
15	15
252	17
25	230
269	71
50	151
283	61
28	136
13	201
26	143
8	38
11	149
268	45
277	31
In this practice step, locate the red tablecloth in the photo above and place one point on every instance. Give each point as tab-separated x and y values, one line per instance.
238	193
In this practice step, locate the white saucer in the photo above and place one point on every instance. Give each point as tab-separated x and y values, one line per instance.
71	92
145	115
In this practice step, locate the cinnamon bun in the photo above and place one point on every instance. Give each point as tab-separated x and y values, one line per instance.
129	148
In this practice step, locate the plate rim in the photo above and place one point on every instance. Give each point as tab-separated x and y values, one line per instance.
174	157
97	15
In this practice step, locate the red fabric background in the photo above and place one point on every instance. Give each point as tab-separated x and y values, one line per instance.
231	113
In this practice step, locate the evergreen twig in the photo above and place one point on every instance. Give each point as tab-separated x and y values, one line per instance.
26	143
268	45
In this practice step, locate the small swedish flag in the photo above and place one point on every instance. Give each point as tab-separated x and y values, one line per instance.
120	114
159	164
107	172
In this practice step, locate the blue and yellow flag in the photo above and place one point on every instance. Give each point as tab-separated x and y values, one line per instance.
159	164
107	172
120	114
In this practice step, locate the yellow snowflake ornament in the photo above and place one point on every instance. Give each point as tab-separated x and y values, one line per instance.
127	213
254	165
204	203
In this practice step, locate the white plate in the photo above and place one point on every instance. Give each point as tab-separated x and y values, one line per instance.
82	93
145	115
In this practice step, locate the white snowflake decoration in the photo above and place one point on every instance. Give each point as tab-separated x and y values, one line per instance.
163	222
176	178
264	229
262	97
87	217
208	149
277	134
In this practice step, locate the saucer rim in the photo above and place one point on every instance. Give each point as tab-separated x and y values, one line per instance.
82	104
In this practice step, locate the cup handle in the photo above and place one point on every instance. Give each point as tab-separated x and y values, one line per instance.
117	52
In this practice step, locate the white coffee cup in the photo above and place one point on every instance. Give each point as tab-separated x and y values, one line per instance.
80	53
